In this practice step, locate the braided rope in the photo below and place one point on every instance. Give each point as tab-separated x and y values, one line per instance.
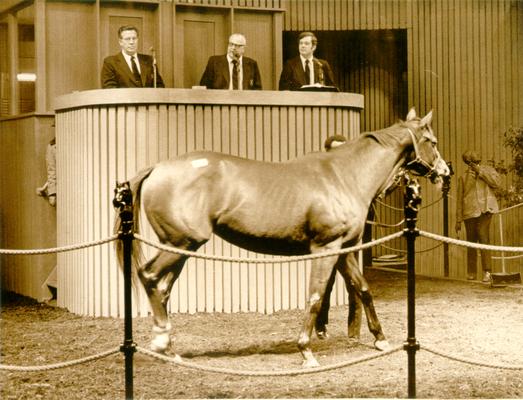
472	362
509	257
293	372
266	260
402	209
470	244
64	364
59	249
388	205
416	252
380	224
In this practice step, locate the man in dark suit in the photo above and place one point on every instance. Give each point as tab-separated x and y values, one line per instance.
129	69
232	71
306	69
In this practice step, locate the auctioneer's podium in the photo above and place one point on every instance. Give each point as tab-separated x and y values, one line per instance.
104	136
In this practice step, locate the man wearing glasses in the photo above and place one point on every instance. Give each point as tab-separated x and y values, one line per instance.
232	71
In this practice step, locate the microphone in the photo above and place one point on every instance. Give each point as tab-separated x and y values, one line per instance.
321	78
153	53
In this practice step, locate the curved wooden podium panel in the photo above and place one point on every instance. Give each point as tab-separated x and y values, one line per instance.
104	136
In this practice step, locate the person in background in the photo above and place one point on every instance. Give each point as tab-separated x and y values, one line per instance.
334	141
476	202
128	68
232	71
305	69
49	187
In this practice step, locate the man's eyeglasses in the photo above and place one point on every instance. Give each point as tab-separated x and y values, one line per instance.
236	45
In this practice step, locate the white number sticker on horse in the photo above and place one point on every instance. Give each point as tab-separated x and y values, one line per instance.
200	163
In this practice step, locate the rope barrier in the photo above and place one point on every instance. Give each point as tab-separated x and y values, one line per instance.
417	251
472	362
294	372
268	260
401	209
464	243
59	249
382	225
178	361
64	364
507	257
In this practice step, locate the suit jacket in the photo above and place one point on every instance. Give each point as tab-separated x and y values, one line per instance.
117	74
293	76
217	76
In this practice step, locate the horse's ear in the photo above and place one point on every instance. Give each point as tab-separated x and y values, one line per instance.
411	115
427	119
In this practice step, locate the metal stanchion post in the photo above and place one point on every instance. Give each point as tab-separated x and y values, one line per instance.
412	201
445	193
123	202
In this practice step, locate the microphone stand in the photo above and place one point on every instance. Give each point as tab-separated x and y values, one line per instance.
154	66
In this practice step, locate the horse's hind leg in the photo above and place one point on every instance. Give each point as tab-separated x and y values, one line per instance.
320	273
354	317
352	275
322	319
158	276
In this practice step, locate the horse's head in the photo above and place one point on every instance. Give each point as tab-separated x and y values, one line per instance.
424	159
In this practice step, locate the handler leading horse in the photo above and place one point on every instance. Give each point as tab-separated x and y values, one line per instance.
315	203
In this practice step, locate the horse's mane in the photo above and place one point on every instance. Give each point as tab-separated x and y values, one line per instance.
389	136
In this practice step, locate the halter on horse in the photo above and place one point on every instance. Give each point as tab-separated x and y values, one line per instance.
312	204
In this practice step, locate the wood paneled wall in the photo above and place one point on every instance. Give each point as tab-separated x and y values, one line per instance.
26	220
464	62
108	135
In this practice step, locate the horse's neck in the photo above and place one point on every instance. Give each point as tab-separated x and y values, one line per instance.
375	159
391	180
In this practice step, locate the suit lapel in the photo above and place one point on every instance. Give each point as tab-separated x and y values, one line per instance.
246	74
224	68
144	69
122	65
300	71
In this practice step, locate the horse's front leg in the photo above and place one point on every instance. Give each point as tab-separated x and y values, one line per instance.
352	275
158	276
354	317
320	273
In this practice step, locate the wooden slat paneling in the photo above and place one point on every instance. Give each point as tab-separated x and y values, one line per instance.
100	144
464	60
26	221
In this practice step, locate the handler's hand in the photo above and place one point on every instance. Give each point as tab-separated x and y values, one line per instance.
458	228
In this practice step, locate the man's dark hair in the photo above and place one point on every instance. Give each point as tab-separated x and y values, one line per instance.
314	39
127	28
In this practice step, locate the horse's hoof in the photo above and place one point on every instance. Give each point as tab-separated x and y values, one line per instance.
310	363
322	334
160	344
382	345
157	349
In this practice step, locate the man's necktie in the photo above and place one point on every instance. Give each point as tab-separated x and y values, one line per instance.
235	75
307	73
136	73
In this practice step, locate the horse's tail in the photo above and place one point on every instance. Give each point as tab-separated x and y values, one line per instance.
135	185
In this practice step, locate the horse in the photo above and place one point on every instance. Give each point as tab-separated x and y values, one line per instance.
314	203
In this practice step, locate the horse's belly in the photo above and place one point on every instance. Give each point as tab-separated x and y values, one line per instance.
262	244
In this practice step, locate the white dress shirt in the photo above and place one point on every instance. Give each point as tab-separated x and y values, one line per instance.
311	67
128	61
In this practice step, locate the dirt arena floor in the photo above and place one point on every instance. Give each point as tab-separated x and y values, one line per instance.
464	319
